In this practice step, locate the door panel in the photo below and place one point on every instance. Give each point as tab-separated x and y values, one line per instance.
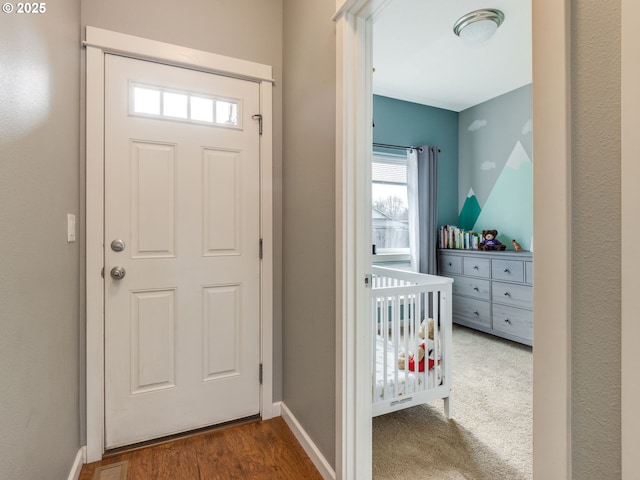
152	199
182	192
153	326
222	183
222	328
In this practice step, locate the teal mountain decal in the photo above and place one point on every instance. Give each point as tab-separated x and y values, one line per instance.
509	208
470	212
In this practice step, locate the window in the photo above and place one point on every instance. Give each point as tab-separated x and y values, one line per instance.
390	207
159	102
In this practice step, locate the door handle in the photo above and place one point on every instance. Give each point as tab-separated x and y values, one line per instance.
118	273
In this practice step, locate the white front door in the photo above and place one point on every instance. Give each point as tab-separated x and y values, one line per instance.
182	221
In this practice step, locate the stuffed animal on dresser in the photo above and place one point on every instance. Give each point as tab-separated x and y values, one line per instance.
490	242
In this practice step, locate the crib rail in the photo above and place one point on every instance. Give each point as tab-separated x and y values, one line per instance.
392	277
401	302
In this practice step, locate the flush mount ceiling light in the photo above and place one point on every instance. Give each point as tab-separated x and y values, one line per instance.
478	26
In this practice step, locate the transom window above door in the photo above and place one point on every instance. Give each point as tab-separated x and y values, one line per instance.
159	102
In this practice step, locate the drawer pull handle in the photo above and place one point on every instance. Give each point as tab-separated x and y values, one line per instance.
450	264
476	267
476	289
476	313
506	320
507	294
506	270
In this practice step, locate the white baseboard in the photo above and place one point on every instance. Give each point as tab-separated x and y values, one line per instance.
277	409
80	460
314	454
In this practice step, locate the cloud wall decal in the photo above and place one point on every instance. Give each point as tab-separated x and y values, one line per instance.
477	125
488	165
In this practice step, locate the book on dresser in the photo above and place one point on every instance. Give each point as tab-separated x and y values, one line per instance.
492	291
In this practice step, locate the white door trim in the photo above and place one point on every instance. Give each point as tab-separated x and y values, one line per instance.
630	233
552	213
98	43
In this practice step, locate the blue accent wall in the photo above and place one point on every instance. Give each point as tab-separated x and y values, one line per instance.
404	123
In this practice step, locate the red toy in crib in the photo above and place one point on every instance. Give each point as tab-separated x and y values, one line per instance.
412	365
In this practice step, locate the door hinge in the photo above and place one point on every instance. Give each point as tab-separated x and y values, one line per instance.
102	272
260	249
260	374
258	116
367	280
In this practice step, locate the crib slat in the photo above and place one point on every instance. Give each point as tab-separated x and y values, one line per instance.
396	331
385	337
376	322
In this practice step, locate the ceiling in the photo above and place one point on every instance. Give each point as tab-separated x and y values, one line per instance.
418	58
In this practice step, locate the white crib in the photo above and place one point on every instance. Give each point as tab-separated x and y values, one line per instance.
401	300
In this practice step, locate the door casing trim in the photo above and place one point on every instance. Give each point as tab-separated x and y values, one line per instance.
98	43
630	172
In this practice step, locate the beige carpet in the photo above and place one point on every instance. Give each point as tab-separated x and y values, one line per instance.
489	436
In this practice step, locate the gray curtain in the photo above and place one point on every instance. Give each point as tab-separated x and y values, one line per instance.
428	207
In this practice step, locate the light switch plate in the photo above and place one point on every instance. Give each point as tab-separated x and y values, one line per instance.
71	227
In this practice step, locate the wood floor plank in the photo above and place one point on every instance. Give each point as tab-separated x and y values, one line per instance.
261	450
254	452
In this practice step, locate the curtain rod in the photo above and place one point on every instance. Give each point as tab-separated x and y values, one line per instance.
397	147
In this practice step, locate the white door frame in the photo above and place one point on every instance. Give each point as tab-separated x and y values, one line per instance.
630	233
98	43
552	213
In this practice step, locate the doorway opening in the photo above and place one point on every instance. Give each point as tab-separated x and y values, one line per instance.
551	397
473	102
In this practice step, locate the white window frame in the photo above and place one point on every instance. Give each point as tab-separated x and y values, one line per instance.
164	117
391	255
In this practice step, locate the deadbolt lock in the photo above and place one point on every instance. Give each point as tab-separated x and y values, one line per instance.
117	245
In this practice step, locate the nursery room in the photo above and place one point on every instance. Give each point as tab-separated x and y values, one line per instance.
452	240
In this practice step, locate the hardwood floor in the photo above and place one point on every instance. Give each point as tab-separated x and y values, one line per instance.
256	451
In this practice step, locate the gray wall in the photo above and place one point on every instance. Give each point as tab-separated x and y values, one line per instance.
496	155
309	218
488	133
595	84
39	270
243	29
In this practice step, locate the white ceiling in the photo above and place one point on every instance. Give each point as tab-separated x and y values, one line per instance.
418	58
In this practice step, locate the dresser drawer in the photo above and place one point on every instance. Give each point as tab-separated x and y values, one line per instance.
450	264
509	293
472	311
512	270
476	267
513	321
472	287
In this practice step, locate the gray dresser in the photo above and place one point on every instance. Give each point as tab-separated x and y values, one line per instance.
492	291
